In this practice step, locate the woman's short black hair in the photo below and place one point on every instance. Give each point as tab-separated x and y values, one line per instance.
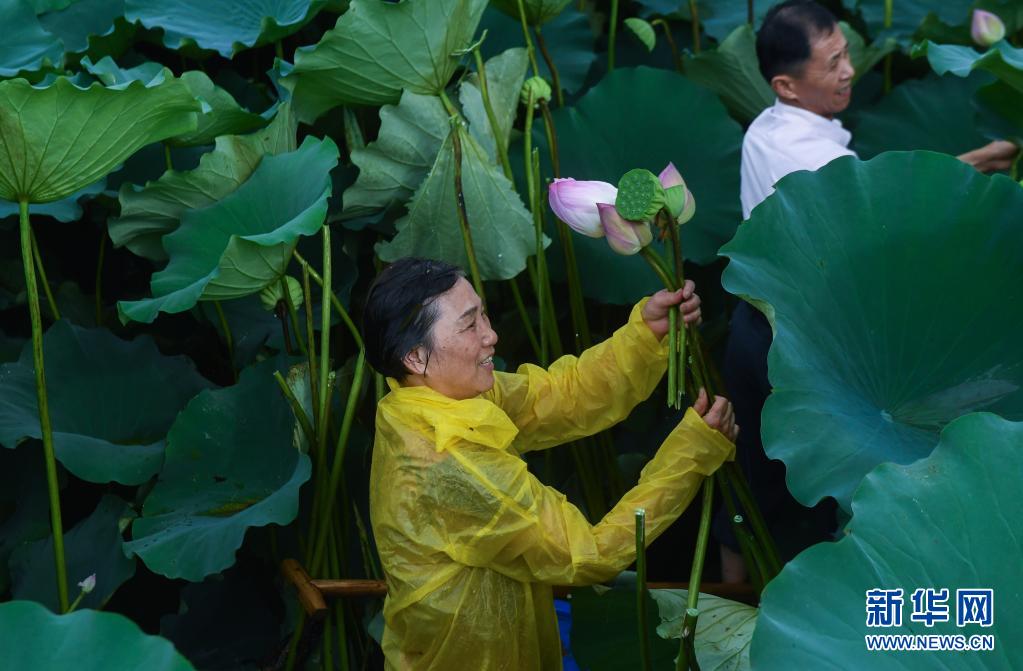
399	311
783	41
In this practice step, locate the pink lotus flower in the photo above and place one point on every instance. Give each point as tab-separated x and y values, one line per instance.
575	203
670	177
986	28
625	237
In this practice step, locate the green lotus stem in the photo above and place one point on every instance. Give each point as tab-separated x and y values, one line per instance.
559	95
353	133
529	41
52	485
334	300
682	334
99	278
889	10
747	544
694	13
672	358
541	288
499	140
279	49
702	538
644	641
296	636
320	537
42	277
292	315
368	558
342	638
541	257
750	16
314	387
228	338
756	519
296	407
463	215
379	386
612	34
687	646
670	39
167	156
321	429
327	646
527	323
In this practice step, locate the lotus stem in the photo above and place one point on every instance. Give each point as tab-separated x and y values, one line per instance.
353	133
314	387
694	13
463	216
527	323
644	641
889	10
368	558
612	34
296	407
687	647
279	49
167	153
321	429
682	334
99	278
292	315
52	485
750	15
529	41
334	300
747	544
379	386
559	95
756	519
499	139
541	257
42	277
541	287
702	538
296	636
670	39
228	339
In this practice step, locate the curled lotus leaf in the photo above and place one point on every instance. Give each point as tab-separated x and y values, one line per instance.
27	46
1002	60
892	289
84	25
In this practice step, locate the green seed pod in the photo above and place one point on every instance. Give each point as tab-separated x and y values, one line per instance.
640	195
539	87
272	294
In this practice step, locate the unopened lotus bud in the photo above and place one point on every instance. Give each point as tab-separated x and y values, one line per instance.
986	28
88	584
272	294
575	203
538	87
640	195
677	196
625	237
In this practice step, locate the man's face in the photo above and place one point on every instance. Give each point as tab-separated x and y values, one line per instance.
826	82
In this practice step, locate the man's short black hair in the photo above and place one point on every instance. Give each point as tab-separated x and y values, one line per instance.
400	311
783	41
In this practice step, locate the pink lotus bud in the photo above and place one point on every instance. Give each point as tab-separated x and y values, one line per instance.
670	177
88	584
575	203
625	237
987	28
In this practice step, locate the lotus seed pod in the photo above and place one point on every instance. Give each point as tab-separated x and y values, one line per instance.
540	89
640	195
272	294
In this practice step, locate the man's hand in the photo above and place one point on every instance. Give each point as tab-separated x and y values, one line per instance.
655	312
997	155
719	417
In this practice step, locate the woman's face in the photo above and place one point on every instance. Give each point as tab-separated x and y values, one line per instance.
461	364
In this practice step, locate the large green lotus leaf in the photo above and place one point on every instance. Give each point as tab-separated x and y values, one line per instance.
26	46
568	37
59	139
502	229
537	11
951	521
24	506
244	242
65	210
670	119
732	72
394	165
723	632
934	114
83	22
149	213
379	48
225	26
111	401
1001	60
1001	112
230	466
92	547
505	74
857	265
32	637
907	15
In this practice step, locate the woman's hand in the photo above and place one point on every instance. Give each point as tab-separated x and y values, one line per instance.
655	312
719	417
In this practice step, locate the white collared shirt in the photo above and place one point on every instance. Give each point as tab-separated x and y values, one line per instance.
782	139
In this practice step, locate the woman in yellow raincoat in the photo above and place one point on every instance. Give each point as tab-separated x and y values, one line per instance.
470	541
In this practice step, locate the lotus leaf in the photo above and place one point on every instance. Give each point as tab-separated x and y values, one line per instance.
379	48
26	47
505	74
224	26
32	637
111	401
856	266
92	547
501	227
598	143
723	632
149	213
59	139
718	18
23	486
83	21
949	521
933	114
230	465
65	210
1001	108
244	242
732	72
1001	60
907	15
537	11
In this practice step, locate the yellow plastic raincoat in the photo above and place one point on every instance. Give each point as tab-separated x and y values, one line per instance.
471	542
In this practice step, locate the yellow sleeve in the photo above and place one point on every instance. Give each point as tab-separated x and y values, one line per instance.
491	512
580	396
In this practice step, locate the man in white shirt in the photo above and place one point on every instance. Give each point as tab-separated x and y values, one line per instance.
804	56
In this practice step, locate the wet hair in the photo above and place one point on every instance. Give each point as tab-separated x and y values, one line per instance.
783	41
400	311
